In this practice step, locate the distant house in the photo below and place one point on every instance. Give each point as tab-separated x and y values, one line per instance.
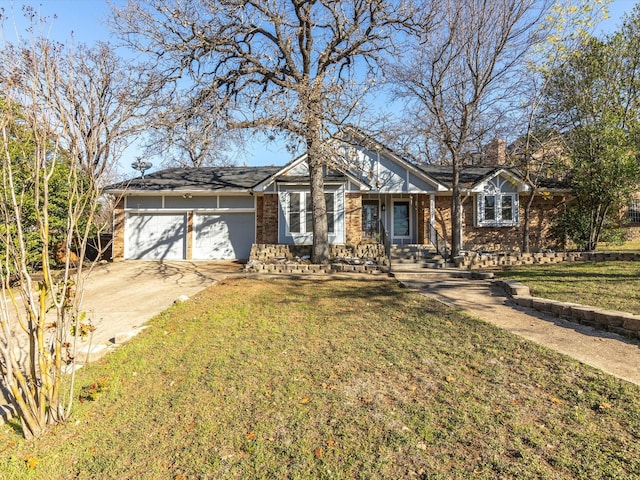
220	212
629	219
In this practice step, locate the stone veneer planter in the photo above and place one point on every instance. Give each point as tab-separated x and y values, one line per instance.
294	259
623	323
474	260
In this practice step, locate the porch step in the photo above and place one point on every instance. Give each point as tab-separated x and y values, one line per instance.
413	265
415	258
441	274
408	251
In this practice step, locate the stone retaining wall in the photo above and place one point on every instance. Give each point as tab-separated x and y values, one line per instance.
474	260
295	259
611	320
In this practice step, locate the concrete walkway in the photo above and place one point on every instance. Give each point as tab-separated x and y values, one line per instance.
606	351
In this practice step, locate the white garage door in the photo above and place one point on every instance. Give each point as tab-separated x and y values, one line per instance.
155	236
223	236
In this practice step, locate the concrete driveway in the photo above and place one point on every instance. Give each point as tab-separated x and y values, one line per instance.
120	297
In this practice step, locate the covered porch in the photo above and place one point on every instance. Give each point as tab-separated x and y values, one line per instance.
405	218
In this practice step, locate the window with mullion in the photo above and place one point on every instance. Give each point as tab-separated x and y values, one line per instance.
497	210
634	211
507	208
330	200
294	212
301	212
489	207
308	213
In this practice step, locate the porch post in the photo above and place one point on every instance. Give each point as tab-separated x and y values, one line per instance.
432	215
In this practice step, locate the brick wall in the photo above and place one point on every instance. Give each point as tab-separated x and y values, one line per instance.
118	231
267	219
353	218
544	211
423	216
442	217
632	233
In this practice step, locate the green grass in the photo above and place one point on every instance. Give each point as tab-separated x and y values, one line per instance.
336	379
610	285
628	246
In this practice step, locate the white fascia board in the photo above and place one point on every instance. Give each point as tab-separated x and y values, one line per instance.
522	186
354	179
280	173
262	186
176	193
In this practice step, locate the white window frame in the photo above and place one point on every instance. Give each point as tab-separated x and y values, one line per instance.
495	189
634	211
305	209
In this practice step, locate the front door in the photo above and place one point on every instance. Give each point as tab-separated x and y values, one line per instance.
401	221
370	217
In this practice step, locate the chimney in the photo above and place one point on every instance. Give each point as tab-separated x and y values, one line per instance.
495	153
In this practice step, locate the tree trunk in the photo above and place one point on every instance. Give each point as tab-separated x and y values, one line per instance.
597	231
526	246
320	251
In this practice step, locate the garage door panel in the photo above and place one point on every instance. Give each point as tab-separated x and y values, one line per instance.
223	236
155	236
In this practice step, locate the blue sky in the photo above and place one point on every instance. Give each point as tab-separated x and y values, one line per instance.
85	18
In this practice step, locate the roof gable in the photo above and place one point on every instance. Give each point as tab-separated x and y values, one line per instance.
501	176
298	171
366	163
374	155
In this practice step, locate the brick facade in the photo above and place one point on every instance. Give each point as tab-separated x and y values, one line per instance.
267	219
442	217
117	248
423	217
544	211
353	218
631	233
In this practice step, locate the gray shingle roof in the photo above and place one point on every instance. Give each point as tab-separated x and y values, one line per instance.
471	175
206	179
230	179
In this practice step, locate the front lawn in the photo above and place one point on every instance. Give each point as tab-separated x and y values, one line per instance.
609	285
628	246
309	379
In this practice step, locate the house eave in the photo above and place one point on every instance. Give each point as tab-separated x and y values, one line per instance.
522	186
175	192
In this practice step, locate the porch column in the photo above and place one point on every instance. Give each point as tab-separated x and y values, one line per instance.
117	246
353	218
432	215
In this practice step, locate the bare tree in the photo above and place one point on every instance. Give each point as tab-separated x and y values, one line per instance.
66	114
183	135
297	67
101	96
458	73
40	321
